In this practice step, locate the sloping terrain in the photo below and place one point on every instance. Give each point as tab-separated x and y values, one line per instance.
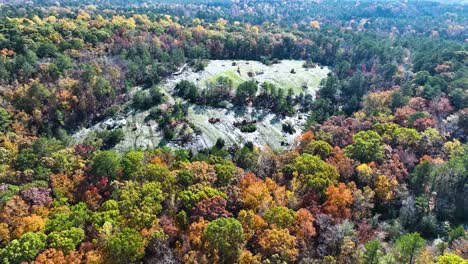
287	74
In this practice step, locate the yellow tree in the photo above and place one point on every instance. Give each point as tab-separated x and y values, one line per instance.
279	242
384	188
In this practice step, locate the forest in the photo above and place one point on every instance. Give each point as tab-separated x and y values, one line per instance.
377	175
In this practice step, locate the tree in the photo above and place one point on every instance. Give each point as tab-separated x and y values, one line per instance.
319	148
456	233
109	212
187	90
153	172
366	147
196	193
52	256
281	217
225	236
449	182
5	119
64	186
406	137
105	164
372	253
224	172
4	234
363	202
279	242
23	249
30	223
255	194
408	246
364	173
420	178
312	172
37	196
210	209
342	163
66	240
46	49
201	171
140	204
125	246
253	224
305	230
377	103
65	217
338	201
246	90
458	98
450	258
384	188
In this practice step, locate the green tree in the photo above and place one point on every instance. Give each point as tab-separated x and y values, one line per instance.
456	233
246	90
132	162
187	90
109	212
281	217
139	204
421	176
406	137
5	119
125	246
312	172
319	148
408	246
67	217
372	252
225	173
449	182
367	147
110	137
225	236
66	240
63	62
105	164
46	49
23	249
458	98
196	193
154	172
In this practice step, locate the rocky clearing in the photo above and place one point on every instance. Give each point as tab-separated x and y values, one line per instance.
141	134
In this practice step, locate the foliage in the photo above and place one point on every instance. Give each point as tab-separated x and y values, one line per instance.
408	246
225	236
105	164
139	204
366	147
319	148
66	240
312	172
280	217
23	249
372	252
125	246
450	259
384	154
278	242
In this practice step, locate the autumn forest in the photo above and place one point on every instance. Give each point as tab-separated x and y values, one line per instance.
219	131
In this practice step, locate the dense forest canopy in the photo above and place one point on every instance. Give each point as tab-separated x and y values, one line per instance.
379	173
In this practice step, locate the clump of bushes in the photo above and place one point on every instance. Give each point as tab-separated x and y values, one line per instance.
246	126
